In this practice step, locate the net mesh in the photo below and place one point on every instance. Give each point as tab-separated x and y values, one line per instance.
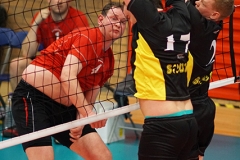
20	14
225	70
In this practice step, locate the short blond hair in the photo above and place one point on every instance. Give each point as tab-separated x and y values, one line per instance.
224	7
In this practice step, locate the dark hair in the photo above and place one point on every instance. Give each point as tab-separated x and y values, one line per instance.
109	6
3	17
157	3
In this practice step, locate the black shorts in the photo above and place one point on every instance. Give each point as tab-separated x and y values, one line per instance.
33	111
167	138
204	110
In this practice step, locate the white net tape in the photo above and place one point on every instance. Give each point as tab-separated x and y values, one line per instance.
222	82
67	126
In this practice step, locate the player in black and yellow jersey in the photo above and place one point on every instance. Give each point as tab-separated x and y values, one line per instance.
160	55
206	23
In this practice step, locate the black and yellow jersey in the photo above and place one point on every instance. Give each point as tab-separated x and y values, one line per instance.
203	36
160	50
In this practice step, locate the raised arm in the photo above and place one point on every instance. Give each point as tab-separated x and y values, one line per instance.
144	11
30	44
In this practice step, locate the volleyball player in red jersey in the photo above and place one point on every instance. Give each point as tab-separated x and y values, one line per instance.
47	25
62	83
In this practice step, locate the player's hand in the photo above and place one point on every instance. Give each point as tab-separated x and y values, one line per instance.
75	133
98	124
43	14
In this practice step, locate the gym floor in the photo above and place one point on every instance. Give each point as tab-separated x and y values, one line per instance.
221	148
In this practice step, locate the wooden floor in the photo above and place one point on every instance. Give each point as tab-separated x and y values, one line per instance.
227	120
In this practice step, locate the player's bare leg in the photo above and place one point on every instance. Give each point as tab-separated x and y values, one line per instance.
91	147
40	153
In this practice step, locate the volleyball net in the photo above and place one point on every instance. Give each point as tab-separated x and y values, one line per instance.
20	14
225	70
